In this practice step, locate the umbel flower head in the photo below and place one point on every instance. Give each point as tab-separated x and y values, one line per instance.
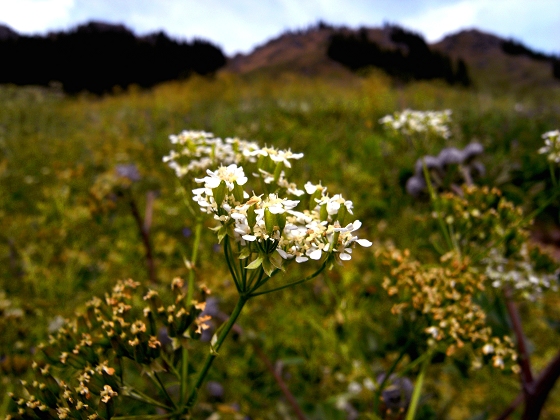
410	122
82	376
271	219
551	146
441	300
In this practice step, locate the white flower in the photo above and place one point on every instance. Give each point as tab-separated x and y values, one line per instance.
551	146
410	122
311	188
231	175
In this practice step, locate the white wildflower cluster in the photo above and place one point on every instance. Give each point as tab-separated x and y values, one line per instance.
196	151
410	122
551	146
283	222
520	274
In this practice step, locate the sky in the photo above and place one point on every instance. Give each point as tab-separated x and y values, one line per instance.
240	25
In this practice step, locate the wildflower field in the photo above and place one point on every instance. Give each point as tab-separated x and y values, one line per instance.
298	248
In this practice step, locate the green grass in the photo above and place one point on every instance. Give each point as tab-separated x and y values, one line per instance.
56	251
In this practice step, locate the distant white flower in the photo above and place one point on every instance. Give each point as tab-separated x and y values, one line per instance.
409	122
551	146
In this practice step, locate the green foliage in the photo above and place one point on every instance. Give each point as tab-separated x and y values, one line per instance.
67	232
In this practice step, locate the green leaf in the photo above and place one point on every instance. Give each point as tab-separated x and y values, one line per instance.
222	232
238	192
267	266
245	253
256	263
276	260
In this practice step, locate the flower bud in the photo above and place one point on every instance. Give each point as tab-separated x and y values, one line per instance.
269	221
238	192
219	193
251	217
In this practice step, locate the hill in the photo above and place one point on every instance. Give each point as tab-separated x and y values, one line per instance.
99	56
490	64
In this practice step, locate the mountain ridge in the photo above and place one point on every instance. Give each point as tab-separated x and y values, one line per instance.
305	51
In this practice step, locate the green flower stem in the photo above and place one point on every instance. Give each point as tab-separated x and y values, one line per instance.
184	377
157	381
243	271
215	348
194	258
389	372
312	276
553	174
262	280
435	202
256	274
142	417
130	392
229	257
411	413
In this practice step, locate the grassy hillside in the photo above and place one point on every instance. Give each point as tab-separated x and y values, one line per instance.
63	239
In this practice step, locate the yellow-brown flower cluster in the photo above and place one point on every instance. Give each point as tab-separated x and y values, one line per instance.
84	371
441	299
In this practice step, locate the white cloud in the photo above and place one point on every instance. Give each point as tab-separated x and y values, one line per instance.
30	16
240	25
436	22
529	22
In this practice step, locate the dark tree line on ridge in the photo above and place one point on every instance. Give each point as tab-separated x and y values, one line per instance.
512	47
97	57
416	61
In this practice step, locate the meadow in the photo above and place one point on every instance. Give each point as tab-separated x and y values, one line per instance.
70	227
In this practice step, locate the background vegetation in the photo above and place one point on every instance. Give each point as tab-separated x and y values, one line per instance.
61	241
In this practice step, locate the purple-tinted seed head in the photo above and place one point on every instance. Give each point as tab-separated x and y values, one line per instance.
431	162
451	156
473	150
128	171
415	185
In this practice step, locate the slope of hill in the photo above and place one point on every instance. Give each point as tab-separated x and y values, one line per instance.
488	65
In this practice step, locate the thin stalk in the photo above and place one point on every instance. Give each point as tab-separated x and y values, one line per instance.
144	234
184	377
169	365
194	258
215	348
332	289
142	417
553	174
543	385
283	387
243	273
255	274
130	392
161	386
387	375
411	413
263	279
312	276
232	270
524	361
